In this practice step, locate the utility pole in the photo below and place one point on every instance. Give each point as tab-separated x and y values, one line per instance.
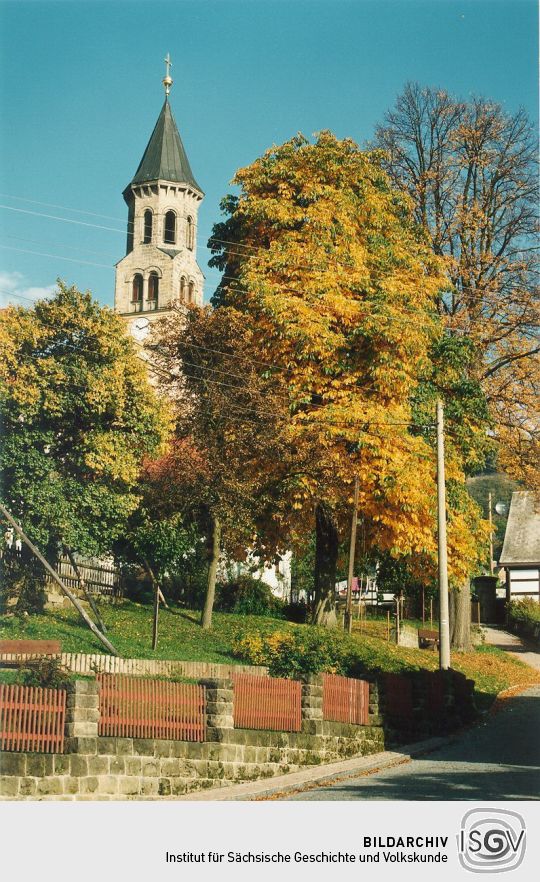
490	513
444	628
352	549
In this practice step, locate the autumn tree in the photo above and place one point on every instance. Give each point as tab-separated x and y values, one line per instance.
227	412
470	169
339	290
78	416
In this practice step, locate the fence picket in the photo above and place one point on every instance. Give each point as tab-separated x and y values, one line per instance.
345	699
135	707
267	703
32	718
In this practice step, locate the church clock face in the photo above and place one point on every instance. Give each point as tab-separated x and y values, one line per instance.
139	329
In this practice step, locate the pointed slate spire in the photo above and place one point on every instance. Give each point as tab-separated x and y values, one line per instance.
165	158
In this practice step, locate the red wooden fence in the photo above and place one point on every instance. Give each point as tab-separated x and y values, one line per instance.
345	700
32	718
399	698
132	707
267	703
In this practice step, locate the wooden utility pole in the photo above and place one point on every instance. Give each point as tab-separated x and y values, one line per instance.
444	625
490	513
352	549
54	575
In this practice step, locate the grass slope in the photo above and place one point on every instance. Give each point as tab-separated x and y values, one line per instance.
180	637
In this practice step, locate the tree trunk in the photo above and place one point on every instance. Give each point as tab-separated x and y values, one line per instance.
206	619
326	552
460	618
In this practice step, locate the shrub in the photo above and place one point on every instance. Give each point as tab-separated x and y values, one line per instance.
298	653
526	611
45	672
247	596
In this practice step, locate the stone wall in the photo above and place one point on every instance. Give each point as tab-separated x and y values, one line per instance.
96	767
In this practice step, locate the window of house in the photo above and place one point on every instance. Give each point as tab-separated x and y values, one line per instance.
137	291
169	234
182	288
191	292
153	290
147	235
189	233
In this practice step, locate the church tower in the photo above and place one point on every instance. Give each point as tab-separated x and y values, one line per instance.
160	269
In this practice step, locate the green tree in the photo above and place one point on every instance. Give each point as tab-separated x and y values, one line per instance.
78	416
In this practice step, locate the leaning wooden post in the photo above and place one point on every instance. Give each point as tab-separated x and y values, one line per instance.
82	583
156	603
84	615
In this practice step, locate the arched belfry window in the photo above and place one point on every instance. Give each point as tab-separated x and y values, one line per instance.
137	292
153	290
147	227
182	288
191	294
190	234
169	233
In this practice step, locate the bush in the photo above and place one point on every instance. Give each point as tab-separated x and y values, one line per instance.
525	612
297	654
249	597
45	672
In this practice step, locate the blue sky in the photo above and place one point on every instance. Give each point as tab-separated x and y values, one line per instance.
81	90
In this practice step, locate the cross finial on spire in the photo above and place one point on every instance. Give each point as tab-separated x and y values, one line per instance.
167	79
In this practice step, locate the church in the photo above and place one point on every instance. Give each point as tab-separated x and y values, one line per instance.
160	271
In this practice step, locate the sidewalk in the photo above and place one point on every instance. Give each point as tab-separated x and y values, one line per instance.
497	636
313	776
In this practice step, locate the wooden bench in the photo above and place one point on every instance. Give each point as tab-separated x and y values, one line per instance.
428	639
15	651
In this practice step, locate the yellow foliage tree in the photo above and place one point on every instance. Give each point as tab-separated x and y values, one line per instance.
339	289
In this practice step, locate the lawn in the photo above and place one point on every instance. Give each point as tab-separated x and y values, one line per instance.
180	637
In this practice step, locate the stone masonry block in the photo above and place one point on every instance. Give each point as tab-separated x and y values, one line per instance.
149	786
49	786
71	785
98	765
62	764
124	746
9	785
87	746
108	784
220	721
117	765
133	765
81	729
27	786
144	746
79	765
106	745
12	764
217	682
35	765
90	784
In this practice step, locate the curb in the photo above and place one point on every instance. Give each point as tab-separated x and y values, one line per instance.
309	778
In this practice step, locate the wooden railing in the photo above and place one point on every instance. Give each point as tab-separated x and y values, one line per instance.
345	700
133	707
267	703
32	718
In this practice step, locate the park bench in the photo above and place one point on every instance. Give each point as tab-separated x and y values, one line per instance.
428	639
15	651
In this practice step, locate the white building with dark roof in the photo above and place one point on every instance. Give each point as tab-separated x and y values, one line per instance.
520	555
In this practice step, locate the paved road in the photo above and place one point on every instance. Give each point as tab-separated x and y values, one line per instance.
523	650
498	759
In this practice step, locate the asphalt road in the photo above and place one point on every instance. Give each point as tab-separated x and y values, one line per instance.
497	759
